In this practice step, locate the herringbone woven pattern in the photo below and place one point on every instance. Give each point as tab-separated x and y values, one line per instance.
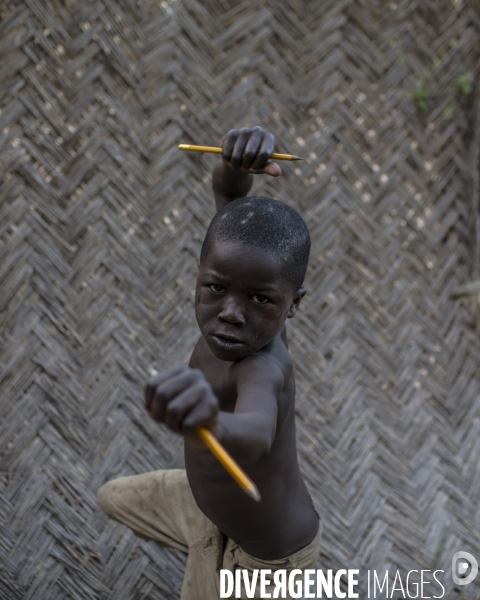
101	221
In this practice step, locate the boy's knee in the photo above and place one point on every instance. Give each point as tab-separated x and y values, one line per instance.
105	497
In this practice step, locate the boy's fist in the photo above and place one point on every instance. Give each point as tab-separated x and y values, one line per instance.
250	150
182	399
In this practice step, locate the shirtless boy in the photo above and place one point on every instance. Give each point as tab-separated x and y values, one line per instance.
240	384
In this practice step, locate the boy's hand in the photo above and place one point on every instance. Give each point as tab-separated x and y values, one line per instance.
250	150
183	400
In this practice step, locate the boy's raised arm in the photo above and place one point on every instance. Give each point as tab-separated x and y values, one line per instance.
245	151
229	184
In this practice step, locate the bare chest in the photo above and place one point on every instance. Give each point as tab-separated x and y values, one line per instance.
217	373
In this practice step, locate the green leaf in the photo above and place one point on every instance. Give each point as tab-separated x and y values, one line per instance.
450	108
422	105
419	95
462	83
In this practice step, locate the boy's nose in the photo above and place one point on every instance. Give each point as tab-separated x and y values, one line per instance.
232	313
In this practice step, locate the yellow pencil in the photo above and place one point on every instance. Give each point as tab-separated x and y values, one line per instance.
214	150
230	465
225	459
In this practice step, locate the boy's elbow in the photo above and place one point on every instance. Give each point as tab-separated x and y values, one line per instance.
262	446
264	450
252	455
268	440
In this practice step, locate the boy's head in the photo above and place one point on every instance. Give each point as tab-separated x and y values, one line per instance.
264	223
252	266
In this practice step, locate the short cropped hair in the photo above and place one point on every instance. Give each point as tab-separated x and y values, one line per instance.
264	223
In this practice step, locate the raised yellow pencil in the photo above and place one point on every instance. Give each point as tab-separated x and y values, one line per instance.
215	150
225	459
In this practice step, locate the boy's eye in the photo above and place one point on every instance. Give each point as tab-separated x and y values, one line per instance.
259	299
216	288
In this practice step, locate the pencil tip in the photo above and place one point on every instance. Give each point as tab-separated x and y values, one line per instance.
254	493
297	158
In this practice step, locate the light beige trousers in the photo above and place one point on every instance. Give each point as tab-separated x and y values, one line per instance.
160	506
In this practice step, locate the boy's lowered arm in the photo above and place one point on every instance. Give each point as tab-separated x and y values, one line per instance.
248	432
183	399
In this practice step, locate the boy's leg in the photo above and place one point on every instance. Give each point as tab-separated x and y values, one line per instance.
154	506
235	558
160	506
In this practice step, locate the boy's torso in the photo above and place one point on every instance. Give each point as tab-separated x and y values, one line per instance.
284	521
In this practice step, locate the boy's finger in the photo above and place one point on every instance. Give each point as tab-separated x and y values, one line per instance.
164	386
176	410
158	379
228	144
273	169
239	148
251	149
201	415
264	153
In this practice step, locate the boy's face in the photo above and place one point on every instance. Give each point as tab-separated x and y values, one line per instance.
242	299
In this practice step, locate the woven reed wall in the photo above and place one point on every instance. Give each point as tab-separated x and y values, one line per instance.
101	221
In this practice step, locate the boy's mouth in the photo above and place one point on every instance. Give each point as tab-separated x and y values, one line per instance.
226	341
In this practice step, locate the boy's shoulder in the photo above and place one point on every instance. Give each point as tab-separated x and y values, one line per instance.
272	363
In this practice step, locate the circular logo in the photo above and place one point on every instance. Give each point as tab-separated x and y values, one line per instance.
459	568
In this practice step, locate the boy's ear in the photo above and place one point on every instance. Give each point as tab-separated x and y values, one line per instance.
299	294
